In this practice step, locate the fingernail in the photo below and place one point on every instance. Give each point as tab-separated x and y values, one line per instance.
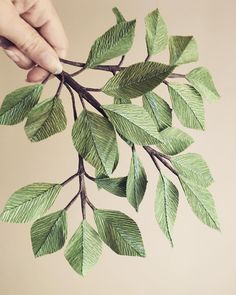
12	55
50	62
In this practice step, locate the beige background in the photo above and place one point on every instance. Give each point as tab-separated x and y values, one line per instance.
203	261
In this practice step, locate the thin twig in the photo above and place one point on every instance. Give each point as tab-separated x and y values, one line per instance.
73	200
69	179
58	92
93	89
75	115
89	176
175	75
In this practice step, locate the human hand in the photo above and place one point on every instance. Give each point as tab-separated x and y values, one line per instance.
36	36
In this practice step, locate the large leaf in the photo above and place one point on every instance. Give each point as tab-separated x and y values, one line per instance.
119	232
133	122
166	204
201	79
119	17
175	141
183	49
116	186
115	42
17	104
188	105
48	234
158	109
136	182
193	167
83	249
156	33
95	140
201	201
137	79
46	119
30	202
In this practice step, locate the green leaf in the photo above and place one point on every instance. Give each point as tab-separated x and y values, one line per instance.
188	105
119	232
133	122
45	119
201	79
175	141
115	42
48	234
202	203
136	182
156	33
183	49
121	100
30	202
137	79
166	205
158	109
193	167
119	17
95	140
17	104
83	249
116	186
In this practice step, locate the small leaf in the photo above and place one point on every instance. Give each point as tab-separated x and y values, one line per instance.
136	182
121	100
30	202
201	201
188	105
83	249
116	186
201	79
193	167
183	49
156	33
158	109
133	122
45	119
95	140
166	204
115	42
137	79
18	103
119	232
175	141
119	17
48	234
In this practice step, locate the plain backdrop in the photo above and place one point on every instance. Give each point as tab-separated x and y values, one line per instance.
203	261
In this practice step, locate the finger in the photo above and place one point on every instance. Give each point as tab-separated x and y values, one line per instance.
29	42
37	74
43	16
19	58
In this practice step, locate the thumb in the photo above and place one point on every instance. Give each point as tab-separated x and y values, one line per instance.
29	41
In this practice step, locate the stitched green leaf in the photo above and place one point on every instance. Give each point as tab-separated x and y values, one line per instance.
95	140
193	167
201	79
48	234
17	104
156	33
116	186
201	201
166	205
45	119
137	79
121	100
119	17
30	202
133	122
119	232
83	249
115	42
188	105
183	49
175	141
158	109
136	182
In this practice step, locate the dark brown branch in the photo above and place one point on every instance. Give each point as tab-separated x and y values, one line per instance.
73	200
69	179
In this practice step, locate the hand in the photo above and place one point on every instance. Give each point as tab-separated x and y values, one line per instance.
36	36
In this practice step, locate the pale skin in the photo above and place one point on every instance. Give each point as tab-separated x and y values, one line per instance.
36	35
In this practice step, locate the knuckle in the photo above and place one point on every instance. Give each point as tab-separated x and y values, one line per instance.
31	44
